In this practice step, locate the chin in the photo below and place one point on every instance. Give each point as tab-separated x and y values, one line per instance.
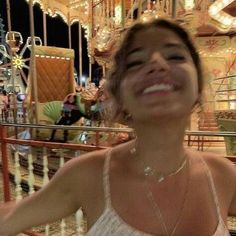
164	115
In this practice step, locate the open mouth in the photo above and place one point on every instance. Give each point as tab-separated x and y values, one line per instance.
159	87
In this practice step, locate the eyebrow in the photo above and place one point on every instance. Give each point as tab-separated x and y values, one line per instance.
168	45
175	45
138	49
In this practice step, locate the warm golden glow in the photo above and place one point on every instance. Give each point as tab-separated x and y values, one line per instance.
217	13
149	15
188	5
17	62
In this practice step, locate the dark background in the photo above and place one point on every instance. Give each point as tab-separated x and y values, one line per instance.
57	30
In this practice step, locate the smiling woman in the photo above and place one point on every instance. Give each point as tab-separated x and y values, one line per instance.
152	185
137	51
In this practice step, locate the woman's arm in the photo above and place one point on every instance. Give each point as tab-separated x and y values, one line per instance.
230	177
56	200
224	174
232	209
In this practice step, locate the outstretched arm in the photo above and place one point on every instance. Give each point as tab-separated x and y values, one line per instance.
56	200
232	209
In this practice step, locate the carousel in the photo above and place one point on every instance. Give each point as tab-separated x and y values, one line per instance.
32	82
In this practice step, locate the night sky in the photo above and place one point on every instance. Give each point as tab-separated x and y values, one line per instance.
57	30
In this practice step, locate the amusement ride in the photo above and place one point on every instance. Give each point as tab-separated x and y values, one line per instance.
33	72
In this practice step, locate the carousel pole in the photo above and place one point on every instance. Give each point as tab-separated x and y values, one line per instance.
13	70
123	14
104	70
90	37
80	53
33	75
8	15
132	10
139	9
69	28
90	70
173	15
44	29
107	13
112	14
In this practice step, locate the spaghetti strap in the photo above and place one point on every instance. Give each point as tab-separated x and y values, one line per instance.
213	188
106	180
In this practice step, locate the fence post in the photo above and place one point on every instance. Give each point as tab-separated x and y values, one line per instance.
97	136
5	170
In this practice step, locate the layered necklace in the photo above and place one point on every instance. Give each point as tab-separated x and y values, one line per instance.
158	175
148	171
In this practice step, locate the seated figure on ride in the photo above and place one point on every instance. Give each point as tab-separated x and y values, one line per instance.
77	105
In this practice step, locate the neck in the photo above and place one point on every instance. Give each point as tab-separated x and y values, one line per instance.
161	145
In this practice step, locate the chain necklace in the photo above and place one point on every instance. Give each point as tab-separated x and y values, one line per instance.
157	210
158	175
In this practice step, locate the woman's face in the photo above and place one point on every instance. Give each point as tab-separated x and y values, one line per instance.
160	78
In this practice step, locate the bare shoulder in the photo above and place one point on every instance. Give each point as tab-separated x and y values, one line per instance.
80	172
88	160
83	175
224	176
88	165
223	170
221	165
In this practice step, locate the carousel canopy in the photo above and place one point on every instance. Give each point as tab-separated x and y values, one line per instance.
220	13
104	20
69	10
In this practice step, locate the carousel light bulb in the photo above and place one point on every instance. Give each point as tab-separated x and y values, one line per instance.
148	15
227	21
216	12
226	2
188	5
213	10
118	14
17	62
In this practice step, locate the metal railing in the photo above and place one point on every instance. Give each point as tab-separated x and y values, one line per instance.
10	143
12	158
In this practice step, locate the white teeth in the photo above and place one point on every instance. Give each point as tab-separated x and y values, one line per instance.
158	87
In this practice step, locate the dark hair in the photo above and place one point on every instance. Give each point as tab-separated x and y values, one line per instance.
118	68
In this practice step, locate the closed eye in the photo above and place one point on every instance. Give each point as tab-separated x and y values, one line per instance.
133	64
176	58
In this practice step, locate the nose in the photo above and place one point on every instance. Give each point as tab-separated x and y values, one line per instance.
158	62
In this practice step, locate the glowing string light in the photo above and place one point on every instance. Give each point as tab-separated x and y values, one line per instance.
217	13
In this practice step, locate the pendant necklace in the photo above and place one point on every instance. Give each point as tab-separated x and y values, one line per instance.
160	176
157	210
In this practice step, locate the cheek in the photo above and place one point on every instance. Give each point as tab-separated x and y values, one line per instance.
193	92
195	87
124	89
190	77
126	93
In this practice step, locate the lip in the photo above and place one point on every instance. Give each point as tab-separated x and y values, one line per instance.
139	89
159	88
